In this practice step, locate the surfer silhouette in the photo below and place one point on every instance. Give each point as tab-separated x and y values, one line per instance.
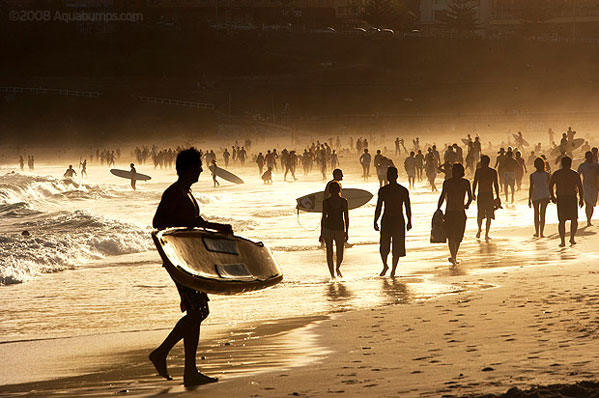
70	172
393	227
486	179
454	192
133	172
568	183
178	208
213	171
334	226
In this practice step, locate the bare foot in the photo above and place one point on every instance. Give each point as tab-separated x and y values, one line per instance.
535	235
159	363
198	379
478	235
384	271
563	244
339	274
452	260
572	242
487	238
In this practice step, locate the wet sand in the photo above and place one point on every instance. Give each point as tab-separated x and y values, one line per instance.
522	326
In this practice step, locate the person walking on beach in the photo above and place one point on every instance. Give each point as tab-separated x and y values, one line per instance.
410	165
334	226
454	191
430	165
83	166
589	170
539	196
337	178
178	208
393	197
509	166
567	182
486	179
365	162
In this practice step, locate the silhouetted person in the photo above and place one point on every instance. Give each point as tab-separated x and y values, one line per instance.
486	179
178	208
133	176
365	160
226	156
21	163
213	172
267	176
454	191
410	165
337	178
70	172
334	226
568	183
590	175
539	196
83	167
393	197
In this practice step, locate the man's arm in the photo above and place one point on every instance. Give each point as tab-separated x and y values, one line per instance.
377	211
475	184
442	197
469	192
580	190
551	185
346	215
408	212
496	185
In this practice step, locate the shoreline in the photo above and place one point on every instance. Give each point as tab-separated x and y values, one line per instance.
279	344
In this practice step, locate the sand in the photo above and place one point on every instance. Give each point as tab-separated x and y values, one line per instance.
522	327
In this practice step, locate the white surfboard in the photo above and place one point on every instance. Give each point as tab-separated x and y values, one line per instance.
225	175
312	203
216	263
128	175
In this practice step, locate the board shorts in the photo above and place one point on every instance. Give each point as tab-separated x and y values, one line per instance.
330	235
509	178
567	208
412	173
393	231
192	300
486	205
544	201
455	224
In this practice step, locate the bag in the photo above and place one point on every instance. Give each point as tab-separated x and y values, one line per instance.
438	234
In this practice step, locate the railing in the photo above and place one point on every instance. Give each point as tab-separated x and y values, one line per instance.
169	101
55	91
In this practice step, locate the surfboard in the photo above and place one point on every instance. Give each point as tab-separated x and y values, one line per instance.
216	263
520	140
466	141
571	146
312	203
128	175
226	175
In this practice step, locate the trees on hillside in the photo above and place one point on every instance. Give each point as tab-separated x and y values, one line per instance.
396	14
461	16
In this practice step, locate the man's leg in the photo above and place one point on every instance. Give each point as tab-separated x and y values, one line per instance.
339	247
562	232
488	228
329	245
384	249
589	212
573	229
542	212
479	220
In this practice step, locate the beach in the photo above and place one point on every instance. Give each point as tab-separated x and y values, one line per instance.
516	312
